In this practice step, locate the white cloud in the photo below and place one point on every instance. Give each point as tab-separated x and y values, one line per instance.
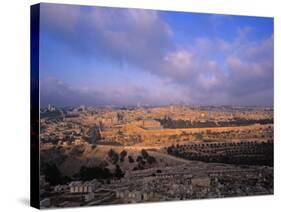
208	70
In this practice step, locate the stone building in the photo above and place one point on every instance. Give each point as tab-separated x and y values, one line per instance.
83	187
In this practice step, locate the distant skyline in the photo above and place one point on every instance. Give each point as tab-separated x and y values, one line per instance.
113	56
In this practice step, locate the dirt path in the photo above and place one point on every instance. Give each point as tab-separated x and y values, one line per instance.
161	154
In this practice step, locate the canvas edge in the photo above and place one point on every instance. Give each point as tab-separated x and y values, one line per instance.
34	106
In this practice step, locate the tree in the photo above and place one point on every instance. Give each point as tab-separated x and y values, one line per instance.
113	156
144	153
118	172
123	154
89	173
139	158
131	159
52	174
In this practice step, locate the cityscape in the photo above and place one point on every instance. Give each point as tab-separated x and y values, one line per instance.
144	105
96	156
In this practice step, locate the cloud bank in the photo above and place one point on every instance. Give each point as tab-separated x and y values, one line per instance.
205	70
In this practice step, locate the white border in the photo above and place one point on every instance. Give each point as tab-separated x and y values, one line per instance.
15	88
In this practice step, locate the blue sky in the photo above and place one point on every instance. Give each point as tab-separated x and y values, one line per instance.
114	56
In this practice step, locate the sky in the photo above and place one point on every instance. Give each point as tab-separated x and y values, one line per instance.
115	56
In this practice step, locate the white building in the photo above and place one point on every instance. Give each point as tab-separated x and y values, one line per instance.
83	187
